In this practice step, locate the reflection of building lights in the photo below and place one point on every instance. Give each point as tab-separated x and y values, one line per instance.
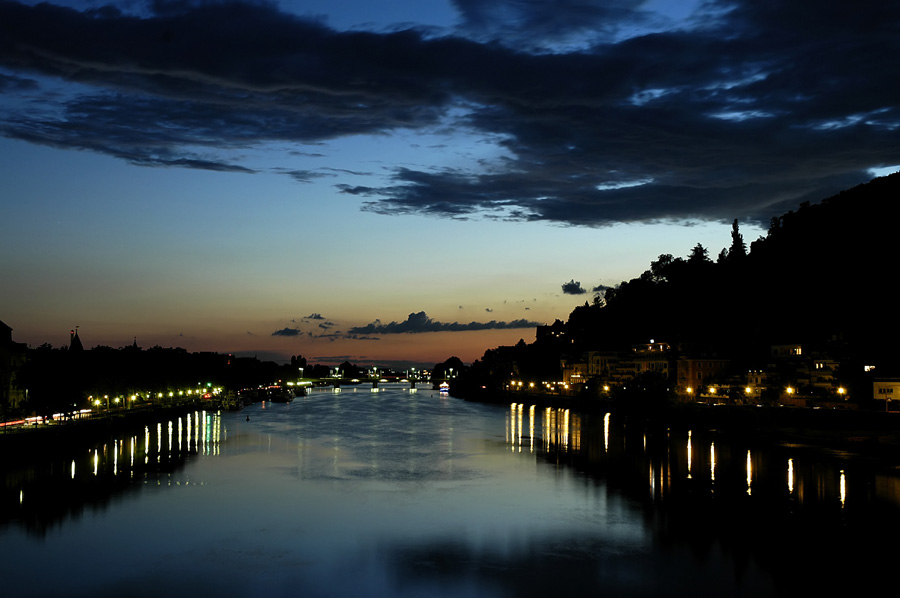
689	455
606	432
791	476
843	488
749	472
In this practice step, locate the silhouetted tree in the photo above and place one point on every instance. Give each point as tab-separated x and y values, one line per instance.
698	255
738	249
348	370
441	371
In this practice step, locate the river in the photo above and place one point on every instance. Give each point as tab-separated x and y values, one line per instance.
399	493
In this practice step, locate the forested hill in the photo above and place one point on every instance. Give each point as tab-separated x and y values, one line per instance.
823	276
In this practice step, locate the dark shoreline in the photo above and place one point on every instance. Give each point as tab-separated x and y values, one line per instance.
48	437
868	434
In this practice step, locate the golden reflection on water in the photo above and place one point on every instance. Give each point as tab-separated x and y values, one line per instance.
546	429
843	489
560	428
519	423
112	459
689	453
531	428
606	433
663	465
749	472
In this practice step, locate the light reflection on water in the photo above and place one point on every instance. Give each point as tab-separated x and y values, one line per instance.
401	494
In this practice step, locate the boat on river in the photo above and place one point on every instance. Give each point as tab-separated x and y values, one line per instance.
278	394
230	401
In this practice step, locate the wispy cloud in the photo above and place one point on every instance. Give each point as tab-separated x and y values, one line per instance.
287	332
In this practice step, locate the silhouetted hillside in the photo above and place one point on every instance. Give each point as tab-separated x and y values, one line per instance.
822	277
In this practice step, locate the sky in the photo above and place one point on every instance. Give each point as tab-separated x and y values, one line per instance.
390	182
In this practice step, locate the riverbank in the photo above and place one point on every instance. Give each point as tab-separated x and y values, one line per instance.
48	436
868	434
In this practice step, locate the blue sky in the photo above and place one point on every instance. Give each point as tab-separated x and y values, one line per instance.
290	178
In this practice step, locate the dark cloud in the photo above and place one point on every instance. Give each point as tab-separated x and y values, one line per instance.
11	83
573	288
743	111
286	332
541	25
420	322
314	316
306	176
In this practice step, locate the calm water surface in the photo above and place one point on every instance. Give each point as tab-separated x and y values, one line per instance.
394	493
